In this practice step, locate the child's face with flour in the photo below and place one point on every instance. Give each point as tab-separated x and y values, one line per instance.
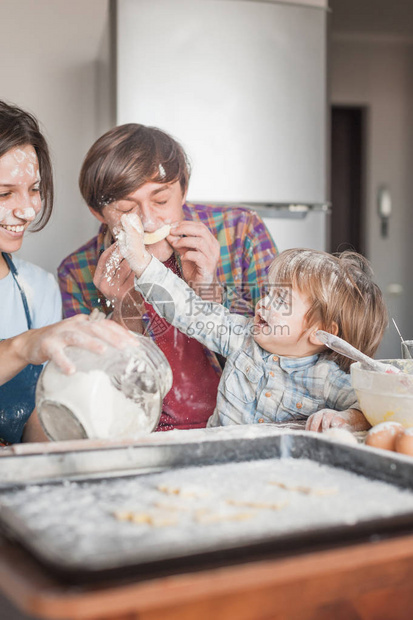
20	199
280	324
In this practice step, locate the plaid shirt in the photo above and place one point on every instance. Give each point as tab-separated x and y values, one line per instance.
256	386
247	251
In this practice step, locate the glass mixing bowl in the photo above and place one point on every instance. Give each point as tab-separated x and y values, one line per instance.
385	397
116	395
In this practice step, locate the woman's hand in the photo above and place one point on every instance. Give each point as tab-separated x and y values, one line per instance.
37	346
350	419
199	252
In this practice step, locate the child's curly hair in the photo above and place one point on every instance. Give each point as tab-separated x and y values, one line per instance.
343	297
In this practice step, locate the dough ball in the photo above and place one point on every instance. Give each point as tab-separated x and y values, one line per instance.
340	435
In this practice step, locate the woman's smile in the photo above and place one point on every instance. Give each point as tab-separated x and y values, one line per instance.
14	230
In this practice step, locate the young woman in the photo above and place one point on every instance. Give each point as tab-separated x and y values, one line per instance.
30	303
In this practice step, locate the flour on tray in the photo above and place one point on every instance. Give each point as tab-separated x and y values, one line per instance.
132	520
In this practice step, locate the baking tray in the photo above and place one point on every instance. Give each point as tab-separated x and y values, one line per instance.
211	496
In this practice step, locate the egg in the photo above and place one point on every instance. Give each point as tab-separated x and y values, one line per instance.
404	443
384	435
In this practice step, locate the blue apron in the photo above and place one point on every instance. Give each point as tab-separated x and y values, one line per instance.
17	395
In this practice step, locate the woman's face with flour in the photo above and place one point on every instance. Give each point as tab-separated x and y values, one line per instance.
20	199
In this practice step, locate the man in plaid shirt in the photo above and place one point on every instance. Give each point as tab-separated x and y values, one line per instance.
222	253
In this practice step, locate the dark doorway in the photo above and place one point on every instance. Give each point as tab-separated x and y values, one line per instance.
347	179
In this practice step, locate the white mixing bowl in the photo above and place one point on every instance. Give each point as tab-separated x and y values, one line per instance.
385	397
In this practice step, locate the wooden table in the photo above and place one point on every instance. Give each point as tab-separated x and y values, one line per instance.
369	580
364	580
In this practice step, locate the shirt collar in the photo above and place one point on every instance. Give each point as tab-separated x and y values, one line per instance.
291	364
190	212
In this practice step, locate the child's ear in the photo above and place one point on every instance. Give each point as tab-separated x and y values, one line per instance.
333	329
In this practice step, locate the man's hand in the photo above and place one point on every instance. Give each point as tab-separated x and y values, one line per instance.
350	419
199	252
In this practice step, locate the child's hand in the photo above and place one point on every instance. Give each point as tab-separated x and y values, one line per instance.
350	419
113	276
131	245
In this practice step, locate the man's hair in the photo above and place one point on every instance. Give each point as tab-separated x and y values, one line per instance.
127	157
340	290
19	129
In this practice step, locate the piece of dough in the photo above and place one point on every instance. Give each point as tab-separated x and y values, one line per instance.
304	490
204	517
341	435
258	505
156	520
183	492
157	235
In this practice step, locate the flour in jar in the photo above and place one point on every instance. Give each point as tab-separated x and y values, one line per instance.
103	410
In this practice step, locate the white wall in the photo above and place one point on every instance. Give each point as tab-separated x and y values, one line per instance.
378	72
52	54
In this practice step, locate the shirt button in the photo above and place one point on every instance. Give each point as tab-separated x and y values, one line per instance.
267	394
271	373
247	369
275	358
299	405
261	420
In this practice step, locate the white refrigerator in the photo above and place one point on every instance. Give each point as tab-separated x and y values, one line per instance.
306	229
242	84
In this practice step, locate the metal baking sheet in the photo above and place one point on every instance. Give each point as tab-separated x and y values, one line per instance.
223	493
90	458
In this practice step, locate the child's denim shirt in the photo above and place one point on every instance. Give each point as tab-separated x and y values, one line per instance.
256	386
